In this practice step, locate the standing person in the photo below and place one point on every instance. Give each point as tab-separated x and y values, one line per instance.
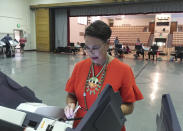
116	45
90	76
22	44
6	40
116	41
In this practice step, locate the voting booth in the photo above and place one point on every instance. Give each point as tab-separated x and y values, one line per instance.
21	110
167	119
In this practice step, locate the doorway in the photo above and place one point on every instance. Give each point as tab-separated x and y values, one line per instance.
17	35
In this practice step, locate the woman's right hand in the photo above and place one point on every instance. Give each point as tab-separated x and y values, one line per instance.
69	110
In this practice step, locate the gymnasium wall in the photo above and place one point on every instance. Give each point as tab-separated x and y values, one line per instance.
76	30
134	20
13	12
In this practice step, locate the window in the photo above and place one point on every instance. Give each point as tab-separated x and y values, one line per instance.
162	23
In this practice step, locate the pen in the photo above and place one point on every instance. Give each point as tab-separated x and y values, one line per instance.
76	109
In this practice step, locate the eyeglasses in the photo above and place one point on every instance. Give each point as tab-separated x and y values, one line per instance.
94	49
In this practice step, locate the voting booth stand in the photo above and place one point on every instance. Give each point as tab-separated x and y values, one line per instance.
167	119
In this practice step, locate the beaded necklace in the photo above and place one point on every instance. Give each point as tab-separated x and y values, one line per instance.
93	84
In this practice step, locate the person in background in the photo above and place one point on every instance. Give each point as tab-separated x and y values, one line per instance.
90	76
138	42
6	40
128	49
22	42
111	47
82	46
153	51
116	41
116	46
139	49
77	47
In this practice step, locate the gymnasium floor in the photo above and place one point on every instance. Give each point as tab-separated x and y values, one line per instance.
46	74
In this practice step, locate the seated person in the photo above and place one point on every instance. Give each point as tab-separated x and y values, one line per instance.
138	42
111	47
83	46
178	53
118	50
139	50
153	51
72	48
77	47
126	49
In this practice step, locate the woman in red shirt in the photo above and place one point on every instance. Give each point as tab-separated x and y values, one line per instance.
22	44
90	76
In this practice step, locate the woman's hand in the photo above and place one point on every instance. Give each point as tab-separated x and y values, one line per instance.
127	108
69	110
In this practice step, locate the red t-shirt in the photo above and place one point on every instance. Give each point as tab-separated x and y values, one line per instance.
118	75
22	41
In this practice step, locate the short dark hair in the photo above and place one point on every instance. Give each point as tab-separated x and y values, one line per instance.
98	29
